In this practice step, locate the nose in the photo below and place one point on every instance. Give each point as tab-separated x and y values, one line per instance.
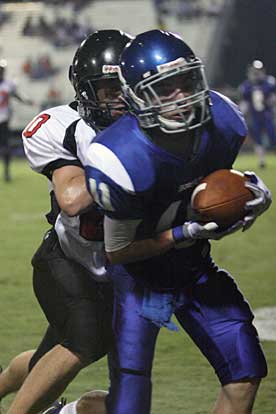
114	96
175	95
180	94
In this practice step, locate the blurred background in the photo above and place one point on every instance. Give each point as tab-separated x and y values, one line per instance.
38	39
37	42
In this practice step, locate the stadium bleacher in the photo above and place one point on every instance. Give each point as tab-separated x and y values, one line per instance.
130	16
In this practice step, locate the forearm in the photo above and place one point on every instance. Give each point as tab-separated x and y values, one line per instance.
143	249
182	236
73	197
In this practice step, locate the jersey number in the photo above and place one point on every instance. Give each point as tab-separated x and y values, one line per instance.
101	194
258	100
35	124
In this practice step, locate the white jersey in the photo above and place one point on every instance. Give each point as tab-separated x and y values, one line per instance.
7	88
58	137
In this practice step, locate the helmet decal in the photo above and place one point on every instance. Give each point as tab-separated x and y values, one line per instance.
170	65
110	69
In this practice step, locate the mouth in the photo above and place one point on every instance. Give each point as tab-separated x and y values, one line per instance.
178	114
117	111
114	108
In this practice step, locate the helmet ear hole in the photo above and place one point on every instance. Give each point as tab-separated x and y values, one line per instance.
70	73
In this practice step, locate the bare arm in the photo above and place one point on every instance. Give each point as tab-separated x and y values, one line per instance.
70	189
184	235
143	249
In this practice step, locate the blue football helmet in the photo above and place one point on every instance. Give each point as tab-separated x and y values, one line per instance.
164	82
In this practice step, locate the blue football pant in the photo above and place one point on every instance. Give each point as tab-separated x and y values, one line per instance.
216	317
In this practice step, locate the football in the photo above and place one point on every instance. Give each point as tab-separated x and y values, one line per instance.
221	197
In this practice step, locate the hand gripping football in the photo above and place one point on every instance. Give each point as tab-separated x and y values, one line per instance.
221	197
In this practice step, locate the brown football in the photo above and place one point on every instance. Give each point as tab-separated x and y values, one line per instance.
221	196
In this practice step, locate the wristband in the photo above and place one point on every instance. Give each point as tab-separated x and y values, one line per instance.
181	233
178	234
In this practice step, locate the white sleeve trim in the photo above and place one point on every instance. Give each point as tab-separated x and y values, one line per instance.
119	233
106	161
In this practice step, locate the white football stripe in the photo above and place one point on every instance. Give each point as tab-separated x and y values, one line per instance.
237	172
198	188
102	158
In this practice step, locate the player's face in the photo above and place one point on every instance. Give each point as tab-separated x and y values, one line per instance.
174	89
171	86
173	94
109	95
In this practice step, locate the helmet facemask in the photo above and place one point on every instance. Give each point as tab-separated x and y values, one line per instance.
99	102
176	99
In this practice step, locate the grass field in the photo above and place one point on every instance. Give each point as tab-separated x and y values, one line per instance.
183	381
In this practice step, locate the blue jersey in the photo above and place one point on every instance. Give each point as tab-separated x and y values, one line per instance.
133	180
258	95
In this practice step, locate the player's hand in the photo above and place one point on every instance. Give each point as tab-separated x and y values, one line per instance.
260	203
193	230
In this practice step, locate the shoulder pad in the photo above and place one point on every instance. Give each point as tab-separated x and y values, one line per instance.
124	160
226	115
44	137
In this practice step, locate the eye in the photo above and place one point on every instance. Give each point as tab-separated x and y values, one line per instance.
164	89
183	82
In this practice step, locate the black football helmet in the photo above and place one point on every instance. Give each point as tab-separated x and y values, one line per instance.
97	59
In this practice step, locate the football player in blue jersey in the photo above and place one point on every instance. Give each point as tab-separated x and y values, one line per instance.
142	171
258	93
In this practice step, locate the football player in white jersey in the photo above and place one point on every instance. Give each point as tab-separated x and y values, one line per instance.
7	90
69	275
